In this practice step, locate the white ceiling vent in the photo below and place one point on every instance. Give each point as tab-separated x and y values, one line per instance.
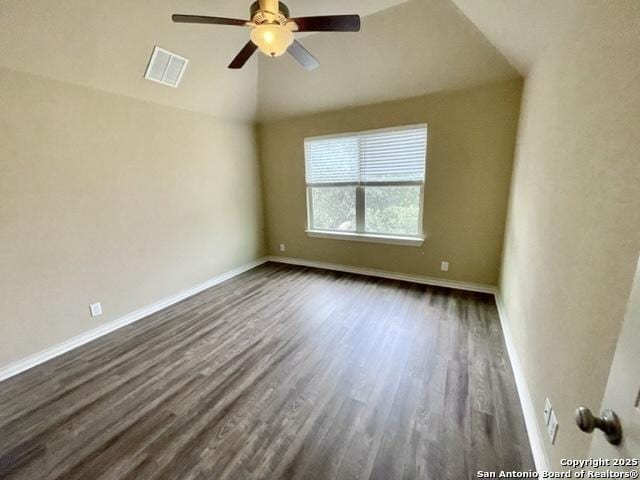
165	67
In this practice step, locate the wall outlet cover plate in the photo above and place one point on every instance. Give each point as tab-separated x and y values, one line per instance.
95	309
552	427
547	411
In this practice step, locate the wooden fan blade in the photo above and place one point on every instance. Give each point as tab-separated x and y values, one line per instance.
244	55
328	23
208	20
302	55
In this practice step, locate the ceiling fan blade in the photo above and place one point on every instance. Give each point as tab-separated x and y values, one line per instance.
328	23
302	55
244	55
208	20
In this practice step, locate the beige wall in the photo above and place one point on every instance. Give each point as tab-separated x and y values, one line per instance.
573	233
105	198
470	154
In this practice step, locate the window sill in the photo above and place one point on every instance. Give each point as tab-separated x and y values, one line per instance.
367	237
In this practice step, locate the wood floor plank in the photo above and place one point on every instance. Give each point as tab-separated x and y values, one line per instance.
283	372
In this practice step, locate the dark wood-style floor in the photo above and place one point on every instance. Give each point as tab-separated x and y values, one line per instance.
282	372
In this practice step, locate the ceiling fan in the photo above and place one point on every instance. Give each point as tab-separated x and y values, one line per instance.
273	29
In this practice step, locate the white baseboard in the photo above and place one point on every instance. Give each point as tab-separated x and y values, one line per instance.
41	357
438	282
529	411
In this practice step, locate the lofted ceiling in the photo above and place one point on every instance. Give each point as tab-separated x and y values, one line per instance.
304	8
406	48
106	44
417	47
520	29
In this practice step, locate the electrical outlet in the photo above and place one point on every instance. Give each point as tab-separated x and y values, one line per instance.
444	266
552	427
95	309
283	248
547	411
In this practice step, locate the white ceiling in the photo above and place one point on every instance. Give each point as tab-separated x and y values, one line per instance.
418	47
520	29
106	44
304	8
406	48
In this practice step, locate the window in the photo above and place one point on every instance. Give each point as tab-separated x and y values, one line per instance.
367	186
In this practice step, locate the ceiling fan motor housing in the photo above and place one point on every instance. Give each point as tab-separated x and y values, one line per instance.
258	17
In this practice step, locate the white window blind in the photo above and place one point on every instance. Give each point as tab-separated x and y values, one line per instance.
332	160
367	184
383	156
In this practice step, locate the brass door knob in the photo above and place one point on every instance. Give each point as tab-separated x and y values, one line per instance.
609	423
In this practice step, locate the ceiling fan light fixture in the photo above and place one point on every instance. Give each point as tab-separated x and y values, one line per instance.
272	29
272	39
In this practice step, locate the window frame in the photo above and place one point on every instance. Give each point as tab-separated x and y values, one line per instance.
360	234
